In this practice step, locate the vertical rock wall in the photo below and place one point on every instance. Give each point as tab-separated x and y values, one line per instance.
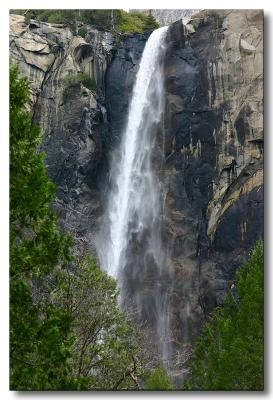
214	154
71	116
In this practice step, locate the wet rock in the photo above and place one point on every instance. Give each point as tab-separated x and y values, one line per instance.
120	79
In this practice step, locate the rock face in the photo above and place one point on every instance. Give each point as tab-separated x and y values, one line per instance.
214	152
120	79
72	117
213	169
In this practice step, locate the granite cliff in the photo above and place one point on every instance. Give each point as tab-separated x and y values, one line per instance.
213	140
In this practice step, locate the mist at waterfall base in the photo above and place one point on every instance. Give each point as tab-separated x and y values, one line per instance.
130	245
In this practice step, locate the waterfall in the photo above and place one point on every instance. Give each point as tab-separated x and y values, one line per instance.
132	250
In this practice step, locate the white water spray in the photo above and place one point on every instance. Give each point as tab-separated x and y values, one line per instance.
133	216
133	172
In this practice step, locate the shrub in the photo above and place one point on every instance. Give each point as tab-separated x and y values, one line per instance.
82	31
88	82
81	78
159	380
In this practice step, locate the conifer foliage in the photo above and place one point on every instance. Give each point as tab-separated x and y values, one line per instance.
229	353
40	336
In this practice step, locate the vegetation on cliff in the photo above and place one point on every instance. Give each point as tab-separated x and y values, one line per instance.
75	80
229	353
118	21
66	330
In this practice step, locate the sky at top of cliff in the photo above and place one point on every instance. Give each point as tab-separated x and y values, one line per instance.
144	4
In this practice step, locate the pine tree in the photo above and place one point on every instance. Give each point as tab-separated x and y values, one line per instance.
229	353
151	23
40	334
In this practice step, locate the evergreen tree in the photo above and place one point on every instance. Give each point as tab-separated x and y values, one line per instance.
229	353
150	23
40	337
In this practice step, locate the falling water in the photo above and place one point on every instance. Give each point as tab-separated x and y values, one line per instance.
132	250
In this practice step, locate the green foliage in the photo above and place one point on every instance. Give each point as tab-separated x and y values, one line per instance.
100	19
84	79
151	23
59	16
40	338
159	380
82	31
135	22
107	348
52	16
229	354
113	20
119	20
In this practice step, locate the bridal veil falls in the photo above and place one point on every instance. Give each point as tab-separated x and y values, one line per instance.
130	246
